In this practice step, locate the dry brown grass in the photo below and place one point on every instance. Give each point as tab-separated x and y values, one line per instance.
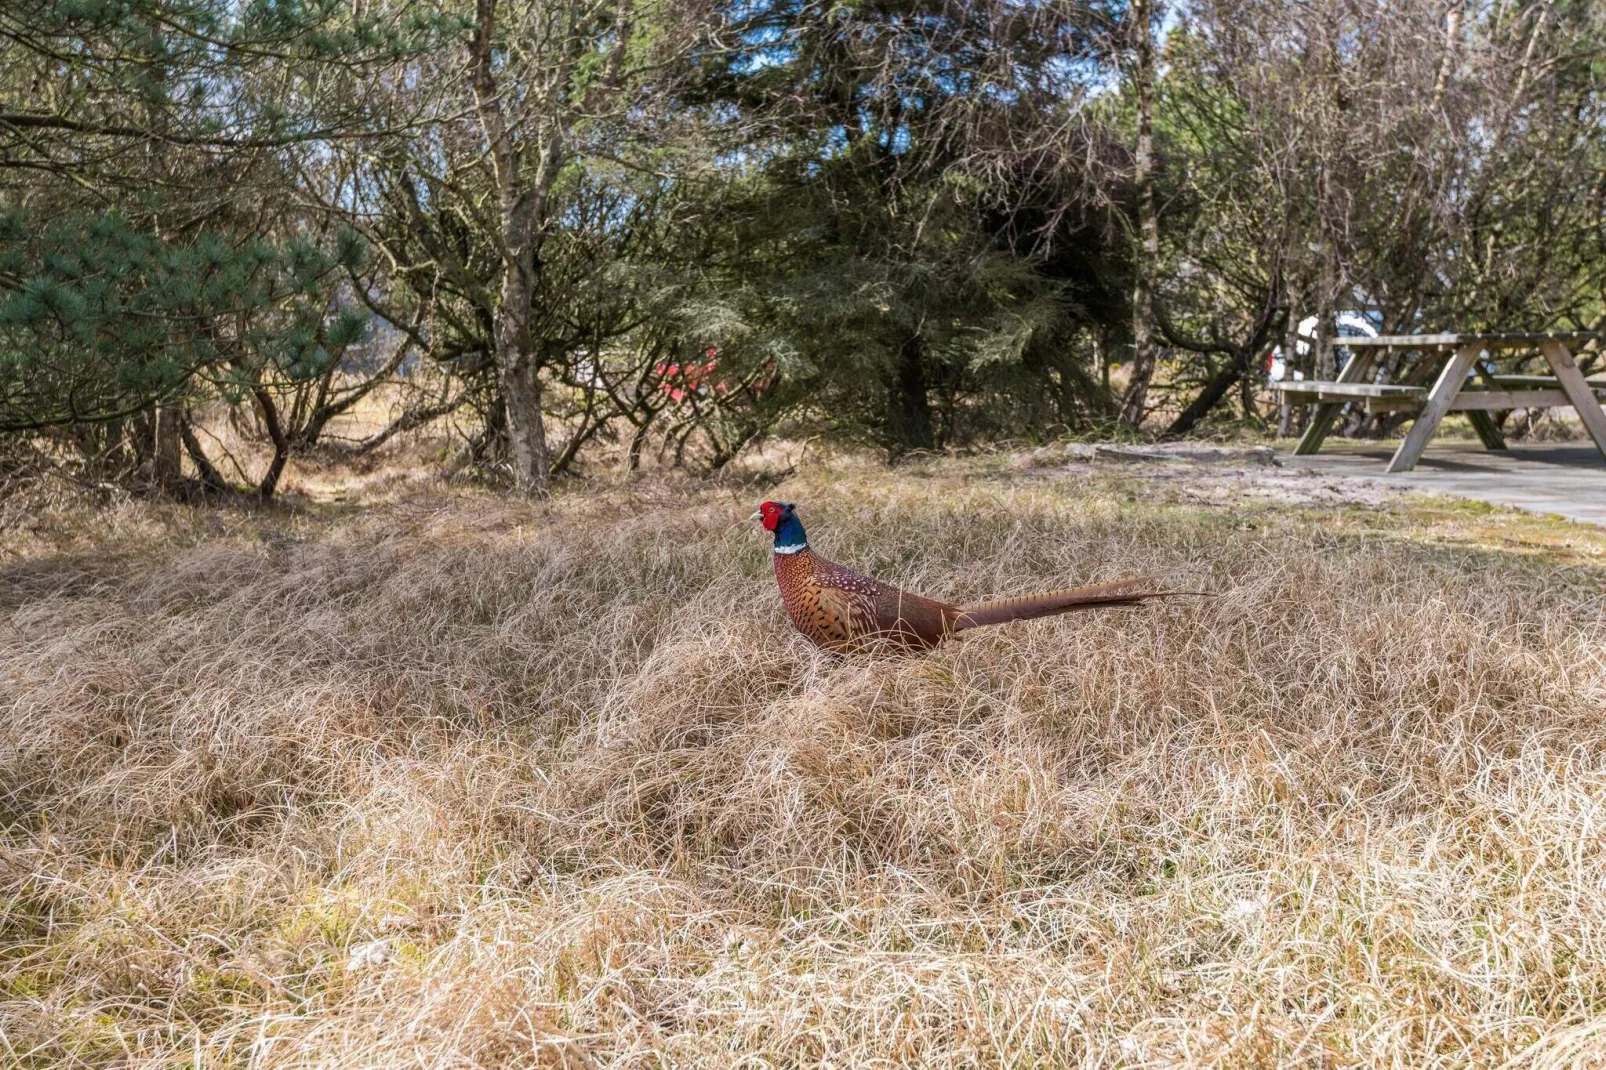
458	782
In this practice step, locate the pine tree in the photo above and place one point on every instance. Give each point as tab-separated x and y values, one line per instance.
150	255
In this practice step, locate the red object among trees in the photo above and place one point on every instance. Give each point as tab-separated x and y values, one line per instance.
681	380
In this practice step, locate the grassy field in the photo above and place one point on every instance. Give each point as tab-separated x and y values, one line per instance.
453	781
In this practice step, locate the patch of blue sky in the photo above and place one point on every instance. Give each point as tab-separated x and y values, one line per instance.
724	113
735	160
758	59
1099	76
765	45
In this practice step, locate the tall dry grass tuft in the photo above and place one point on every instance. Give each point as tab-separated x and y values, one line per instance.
456	782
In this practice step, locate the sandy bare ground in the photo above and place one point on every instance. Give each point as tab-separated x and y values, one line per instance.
1565	480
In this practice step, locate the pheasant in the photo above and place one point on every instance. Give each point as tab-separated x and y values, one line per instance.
841	611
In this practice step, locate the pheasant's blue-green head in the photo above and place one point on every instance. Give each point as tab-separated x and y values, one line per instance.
781	518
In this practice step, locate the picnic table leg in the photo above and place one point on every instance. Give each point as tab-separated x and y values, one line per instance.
1484	422
1578	391
1444	391
1321	421
1488	432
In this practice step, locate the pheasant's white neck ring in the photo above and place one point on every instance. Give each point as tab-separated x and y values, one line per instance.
791	549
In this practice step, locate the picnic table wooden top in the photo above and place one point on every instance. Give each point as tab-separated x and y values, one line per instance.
1493	339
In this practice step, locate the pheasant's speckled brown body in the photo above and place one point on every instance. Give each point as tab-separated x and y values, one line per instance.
842	611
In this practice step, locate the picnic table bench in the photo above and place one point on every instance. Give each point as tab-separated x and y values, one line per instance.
1452	391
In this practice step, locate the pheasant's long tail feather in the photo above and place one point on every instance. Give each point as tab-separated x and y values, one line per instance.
1029	607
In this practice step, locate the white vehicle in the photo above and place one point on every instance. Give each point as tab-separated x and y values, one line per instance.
1351	324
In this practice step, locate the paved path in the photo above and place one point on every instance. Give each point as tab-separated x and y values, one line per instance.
1566	479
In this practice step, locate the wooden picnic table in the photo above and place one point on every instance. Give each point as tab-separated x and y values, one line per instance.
1451	391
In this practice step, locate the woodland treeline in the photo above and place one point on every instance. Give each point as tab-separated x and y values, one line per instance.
657	232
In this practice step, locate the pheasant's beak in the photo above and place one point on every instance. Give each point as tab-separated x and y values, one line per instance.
757	515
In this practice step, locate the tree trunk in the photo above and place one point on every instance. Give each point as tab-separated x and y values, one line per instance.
1326	317
522	202
1216	389
112	458
167	469
211	478
637	440
909	424
1452	36
1137	390
1240	367
281	445
1291	418
491	443
519	374
166	466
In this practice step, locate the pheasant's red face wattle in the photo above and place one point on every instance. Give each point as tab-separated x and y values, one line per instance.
770	514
